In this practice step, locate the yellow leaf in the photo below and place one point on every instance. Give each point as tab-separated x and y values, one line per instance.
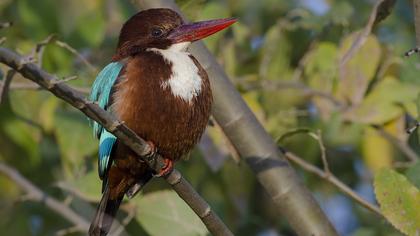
356	74
377	151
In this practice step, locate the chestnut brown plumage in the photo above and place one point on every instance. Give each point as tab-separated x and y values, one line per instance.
144	97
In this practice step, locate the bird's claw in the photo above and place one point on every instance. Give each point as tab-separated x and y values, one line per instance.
166	169
153	149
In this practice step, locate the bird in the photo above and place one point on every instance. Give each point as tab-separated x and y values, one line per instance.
157	89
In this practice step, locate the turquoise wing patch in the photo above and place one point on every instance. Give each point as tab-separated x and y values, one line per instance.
106	142
101	89
100	93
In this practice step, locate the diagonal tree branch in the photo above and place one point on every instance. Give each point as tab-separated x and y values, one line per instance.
328	176
35	194
139	146
292	199
416	6
5	85
379	12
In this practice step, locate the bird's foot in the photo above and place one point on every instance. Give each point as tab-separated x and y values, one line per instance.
153	149
167	168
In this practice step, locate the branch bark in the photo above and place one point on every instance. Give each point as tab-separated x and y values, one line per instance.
379	12
257	148
35	194
416	4
328	176
139	146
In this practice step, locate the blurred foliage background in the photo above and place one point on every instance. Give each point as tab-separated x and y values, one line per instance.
283	56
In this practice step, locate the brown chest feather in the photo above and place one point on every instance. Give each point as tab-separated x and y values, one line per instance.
153	112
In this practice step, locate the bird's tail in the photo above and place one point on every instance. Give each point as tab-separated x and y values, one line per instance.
105	214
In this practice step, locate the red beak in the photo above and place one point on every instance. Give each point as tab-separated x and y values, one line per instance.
198	30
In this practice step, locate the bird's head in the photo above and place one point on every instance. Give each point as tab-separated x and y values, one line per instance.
161	28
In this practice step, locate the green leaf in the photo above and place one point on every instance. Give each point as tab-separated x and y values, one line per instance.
399	201
74	136
25	137
418	114
91	28
275	55
213	10
46	113
165	213
413	174
37	18
359	70
26	104
89	185
191	8
384	102
321	71
376	158
341	12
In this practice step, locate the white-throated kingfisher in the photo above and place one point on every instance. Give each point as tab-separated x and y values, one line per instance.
158	90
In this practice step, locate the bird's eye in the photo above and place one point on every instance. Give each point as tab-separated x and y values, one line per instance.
157	32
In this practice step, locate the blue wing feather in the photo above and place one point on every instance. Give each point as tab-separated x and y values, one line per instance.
106	142
100	93
101	89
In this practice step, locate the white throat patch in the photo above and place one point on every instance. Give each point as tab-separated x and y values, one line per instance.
185	82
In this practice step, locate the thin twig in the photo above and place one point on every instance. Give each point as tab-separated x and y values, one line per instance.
318	137
326	173
413	128
416	4
403	165
39	49
75	192
402	146
131	214
76	53
5	24
270	85
33	86
38	195
70	230
122	132
5	85
361	38
333	180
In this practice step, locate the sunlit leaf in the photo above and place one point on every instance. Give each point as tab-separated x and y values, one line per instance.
26	104
276	52
252	100
191	8
399	201
384	102
321	72
91	28
165	213
377	151
74	136
356	74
